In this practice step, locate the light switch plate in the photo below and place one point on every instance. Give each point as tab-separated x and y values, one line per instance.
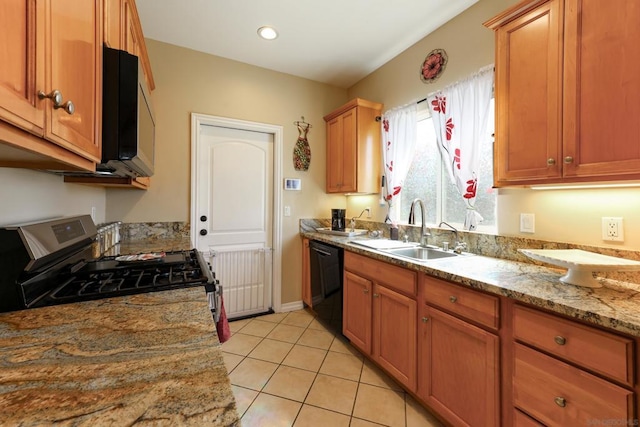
527	223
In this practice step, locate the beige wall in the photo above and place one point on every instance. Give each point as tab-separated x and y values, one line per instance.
572	216
188	81
27	195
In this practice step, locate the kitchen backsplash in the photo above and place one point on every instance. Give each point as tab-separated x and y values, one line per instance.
154	230
503	247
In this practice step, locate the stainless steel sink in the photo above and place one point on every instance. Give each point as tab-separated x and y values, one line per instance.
423	254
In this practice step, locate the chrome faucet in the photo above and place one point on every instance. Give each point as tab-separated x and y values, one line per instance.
458	245
424	234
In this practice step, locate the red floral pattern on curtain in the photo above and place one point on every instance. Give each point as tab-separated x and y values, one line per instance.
398	139
460	115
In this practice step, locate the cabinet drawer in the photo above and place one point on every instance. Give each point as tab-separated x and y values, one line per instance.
393	277
558	394
467	303
599	351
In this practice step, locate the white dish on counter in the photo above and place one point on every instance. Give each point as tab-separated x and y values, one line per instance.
581	264
347	232
384	243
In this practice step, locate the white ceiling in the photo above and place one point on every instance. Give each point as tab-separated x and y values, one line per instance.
331	41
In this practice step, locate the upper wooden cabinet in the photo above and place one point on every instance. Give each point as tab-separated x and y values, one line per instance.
52	48
353	148
567	92
122	30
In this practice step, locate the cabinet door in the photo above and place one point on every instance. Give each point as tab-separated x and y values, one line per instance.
306	273
341	153
602	88
74	50
334	156
132	32
349	151
529	97
356	311
459	369
395	334
21	70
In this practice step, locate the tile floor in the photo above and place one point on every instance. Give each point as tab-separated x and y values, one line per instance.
287	369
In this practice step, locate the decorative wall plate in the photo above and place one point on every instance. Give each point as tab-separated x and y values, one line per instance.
433	65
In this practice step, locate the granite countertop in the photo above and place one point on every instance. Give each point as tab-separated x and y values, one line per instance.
148	359
616	305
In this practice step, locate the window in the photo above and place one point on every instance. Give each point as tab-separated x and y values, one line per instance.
428	180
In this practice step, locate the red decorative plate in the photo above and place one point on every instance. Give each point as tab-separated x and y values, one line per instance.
433	65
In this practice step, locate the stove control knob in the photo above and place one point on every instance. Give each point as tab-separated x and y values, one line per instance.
203	232
203	218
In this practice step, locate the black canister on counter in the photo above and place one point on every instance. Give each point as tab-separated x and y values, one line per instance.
338	219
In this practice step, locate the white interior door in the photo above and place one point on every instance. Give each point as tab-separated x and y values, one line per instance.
232	214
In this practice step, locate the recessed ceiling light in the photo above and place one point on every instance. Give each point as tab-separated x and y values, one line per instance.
267	33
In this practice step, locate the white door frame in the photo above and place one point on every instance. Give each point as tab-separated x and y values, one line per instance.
197	120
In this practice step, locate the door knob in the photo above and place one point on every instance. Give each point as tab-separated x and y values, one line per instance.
203	232
203	218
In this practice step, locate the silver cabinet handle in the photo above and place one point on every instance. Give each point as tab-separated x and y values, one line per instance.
425	319
55	96
560	340
453	299
560	401
376	295
68	107
551	161
365	291
568	159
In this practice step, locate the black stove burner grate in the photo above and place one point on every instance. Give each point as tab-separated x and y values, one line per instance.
106	278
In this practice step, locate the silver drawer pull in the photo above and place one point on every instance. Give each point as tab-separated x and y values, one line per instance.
560	340
560	401
453	299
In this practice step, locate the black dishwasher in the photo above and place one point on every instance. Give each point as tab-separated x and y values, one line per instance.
326	262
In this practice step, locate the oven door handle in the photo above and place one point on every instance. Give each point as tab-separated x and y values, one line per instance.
214	302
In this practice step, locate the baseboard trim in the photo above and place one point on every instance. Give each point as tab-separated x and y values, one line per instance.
291	306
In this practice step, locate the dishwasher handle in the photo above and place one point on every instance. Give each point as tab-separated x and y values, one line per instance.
321	252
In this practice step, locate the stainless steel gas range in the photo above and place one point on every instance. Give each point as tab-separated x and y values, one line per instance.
52	262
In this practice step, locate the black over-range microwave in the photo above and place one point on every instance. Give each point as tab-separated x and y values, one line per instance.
128	123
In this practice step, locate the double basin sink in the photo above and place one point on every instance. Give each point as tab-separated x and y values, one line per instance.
409	250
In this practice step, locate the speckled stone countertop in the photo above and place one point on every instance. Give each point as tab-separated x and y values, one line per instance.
137	360
616	305
148	359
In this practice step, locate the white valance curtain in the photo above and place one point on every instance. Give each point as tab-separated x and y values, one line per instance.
460	115
399	128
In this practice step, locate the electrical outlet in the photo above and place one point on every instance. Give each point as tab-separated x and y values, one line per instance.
527	223
368	212
287	211
612	229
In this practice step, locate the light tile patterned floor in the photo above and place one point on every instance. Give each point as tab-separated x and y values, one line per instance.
287	369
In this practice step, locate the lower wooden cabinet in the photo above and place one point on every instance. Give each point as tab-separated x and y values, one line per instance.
477	359
558	394
357	310
458	369
394	334
379	320
566	373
